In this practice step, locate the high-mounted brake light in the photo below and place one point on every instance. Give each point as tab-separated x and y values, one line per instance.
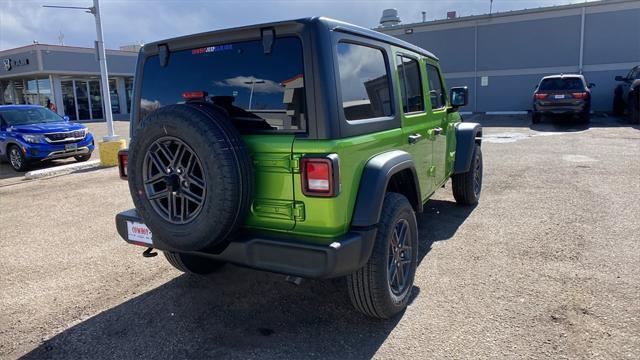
320	175
540	96
580	95
123	161
194	95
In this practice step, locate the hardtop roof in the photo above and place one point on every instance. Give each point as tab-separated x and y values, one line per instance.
328	23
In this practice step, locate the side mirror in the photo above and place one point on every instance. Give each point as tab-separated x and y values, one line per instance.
66	118
591	85
620	78
459	96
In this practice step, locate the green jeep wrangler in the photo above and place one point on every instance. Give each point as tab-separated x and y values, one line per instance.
302	147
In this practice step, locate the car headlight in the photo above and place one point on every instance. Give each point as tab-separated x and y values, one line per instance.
32	138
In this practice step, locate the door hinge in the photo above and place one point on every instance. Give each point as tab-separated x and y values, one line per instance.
295	163
298	211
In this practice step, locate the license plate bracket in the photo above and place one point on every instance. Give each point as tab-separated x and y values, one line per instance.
138	233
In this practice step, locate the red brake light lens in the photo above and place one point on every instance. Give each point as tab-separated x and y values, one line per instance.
540	96
319	176
194	95
123	161
580	95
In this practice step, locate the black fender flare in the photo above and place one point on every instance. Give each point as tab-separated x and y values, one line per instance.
467	135
373	185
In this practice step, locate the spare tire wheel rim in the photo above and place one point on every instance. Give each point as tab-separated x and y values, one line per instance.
174	180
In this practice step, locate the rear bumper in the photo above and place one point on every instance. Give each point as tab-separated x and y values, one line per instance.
561	109
291	255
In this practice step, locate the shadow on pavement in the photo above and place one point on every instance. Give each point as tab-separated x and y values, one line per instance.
548	124
241	313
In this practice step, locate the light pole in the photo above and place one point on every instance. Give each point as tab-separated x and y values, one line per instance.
102	59
253	82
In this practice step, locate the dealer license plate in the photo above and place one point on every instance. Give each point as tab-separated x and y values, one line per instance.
139	232
71	147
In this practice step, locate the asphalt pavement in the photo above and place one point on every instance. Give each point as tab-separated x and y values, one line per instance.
546	266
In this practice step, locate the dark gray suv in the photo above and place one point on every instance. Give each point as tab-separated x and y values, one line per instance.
626	96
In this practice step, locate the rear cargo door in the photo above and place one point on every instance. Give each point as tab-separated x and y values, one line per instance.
273	205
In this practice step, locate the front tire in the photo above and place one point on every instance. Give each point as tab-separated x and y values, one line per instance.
192	264
618	104
382	287
17	160
468	185
82	158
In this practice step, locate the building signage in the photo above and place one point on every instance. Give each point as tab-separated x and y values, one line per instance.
11	63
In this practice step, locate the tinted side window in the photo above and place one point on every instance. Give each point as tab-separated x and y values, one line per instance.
410	84
364	81
436	94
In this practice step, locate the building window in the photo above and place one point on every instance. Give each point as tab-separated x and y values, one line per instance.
364	81
115	100
128	86
410	84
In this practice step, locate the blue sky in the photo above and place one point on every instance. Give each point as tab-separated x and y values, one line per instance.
137	21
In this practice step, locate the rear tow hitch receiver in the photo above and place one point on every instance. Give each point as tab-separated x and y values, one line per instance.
149	253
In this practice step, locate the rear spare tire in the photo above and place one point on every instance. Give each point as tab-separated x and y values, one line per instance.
190	176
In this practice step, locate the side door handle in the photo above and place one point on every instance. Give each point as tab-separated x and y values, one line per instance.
437	131
414	138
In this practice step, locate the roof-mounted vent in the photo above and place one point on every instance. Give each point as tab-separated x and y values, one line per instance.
389	17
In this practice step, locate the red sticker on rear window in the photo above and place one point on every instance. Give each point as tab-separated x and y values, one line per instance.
210	49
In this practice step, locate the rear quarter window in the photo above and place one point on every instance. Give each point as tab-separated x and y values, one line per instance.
364	82
261	92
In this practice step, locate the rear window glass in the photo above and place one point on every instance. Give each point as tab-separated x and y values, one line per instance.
364	82
261	92
561	84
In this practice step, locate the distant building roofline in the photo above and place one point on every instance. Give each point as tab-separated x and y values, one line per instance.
589	3
41	46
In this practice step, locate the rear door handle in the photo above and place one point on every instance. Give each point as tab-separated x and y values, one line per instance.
437	131
414	138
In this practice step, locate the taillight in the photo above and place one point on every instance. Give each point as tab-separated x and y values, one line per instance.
540	96
580	95
194	95
123	161
320	175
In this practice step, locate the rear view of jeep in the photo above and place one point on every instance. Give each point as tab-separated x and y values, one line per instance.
284	147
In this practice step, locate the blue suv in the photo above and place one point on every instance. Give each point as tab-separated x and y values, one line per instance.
30	133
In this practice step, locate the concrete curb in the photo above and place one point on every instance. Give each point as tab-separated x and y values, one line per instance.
61	170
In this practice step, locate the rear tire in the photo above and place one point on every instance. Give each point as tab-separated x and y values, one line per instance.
192	264
382	287
635	108
468	185
535	118
585	118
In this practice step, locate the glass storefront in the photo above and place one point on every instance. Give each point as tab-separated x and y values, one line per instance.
81	98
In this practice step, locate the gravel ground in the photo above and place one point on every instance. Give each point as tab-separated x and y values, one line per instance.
547	266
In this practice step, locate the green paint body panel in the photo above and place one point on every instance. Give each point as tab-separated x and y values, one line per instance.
279	203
